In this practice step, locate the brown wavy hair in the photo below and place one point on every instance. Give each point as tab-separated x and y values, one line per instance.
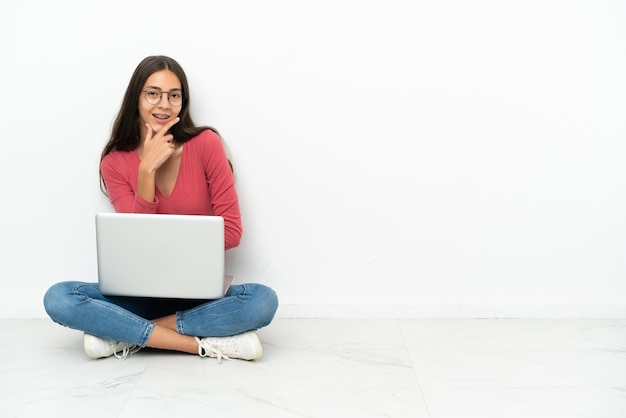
125	134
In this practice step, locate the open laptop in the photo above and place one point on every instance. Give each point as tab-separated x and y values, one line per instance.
163	256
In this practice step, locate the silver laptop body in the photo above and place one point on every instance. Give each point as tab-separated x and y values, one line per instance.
163	256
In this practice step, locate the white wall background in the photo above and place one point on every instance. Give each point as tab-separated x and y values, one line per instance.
425	158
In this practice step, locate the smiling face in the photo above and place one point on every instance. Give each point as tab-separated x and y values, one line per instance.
162	112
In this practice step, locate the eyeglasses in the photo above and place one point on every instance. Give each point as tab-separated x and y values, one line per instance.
153	96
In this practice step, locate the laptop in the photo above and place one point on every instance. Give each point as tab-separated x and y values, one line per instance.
161	256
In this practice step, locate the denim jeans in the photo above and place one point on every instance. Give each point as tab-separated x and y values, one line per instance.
81	306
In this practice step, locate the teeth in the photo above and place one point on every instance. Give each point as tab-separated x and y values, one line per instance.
161	117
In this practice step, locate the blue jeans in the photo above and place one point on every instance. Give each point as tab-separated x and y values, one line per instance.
81	306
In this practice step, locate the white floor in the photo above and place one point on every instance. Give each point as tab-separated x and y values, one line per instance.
332	368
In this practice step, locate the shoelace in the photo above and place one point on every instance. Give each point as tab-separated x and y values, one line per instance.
207	348
125	350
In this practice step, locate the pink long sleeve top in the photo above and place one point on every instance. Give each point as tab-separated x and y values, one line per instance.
205	185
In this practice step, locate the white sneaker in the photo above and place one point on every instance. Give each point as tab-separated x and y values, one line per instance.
246	346
97	347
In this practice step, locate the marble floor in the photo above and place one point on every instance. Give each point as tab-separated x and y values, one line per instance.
331	368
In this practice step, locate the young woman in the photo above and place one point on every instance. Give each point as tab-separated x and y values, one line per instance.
158	161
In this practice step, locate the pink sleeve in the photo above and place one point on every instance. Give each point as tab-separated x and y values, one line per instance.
224	198
120	178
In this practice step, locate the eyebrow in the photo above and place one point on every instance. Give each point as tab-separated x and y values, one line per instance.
159	88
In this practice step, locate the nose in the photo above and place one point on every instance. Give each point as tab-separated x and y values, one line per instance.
165	100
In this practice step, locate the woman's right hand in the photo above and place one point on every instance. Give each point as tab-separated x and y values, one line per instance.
158	146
